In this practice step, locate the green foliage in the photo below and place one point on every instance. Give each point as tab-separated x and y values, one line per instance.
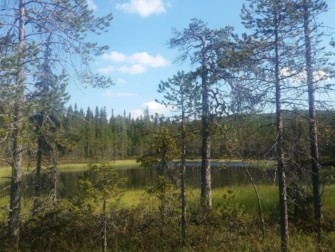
162	149
182	94
232	226
167	196
101	179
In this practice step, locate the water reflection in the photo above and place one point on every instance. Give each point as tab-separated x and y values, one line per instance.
227	175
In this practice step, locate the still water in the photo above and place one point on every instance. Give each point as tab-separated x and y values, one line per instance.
222	176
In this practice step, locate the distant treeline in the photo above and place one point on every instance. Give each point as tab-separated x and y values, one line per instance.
95	135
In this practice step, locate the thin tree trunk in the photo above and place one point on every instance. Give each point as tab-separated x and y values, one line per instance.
54	176
206	198
104	225
37	183
312	122
260	209
13	230
183	175
279	144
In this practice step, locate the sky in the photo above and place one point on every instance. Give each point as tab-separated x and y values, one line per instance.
139	56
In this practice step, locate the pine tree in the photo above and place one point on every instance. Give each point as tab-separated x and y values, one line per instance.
182	95
49	97
28	25
317	70
198	36
269	21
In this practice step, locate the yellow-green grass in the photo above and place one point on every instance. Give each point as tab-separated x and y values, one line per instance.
328	203
132	198
5	171
122	164
118	164
238	197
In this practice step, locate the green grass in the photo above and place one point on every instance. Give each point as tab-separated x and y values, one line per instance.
135	211
328	203
118	164
132	198
245	197
242	197
122	164
5	172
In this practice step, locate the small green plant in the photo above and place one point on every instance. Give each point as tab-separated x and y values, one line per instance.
101	183
167	196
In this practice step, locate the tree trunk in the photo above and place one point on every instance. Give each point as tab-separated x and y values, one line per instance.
260	209
183	175
312	121
13	230
206	199
54	175
37	182
279	143
104	225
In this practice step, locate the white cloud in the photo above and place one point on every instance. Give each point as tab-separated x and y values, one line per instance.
144	8
141	58
301	77
136	63
136	113
91	5
119	94
106	69
146	59
115	57
133	69
121	81
153	107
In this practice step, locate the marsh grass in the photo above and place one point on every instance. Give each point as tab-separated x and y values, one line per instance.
118	164
134	217
5	172
232	226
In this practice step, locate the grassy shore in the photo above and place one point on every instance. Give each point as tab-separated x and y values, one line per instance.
135	218
138	221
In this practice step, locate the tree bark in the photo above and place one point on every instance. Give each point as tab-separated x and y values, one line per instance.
260	209
54	175
13	230
37	183
280	141
206	199
104	224
312	121
183	174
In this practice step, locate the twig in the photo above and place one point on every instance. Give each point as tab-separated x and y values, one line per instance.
257	195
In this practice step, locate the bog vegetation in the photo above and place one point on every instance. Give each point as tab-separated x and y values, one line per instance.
260	97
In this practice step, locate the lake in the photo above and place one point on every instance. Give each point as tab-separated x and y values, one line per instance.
222	176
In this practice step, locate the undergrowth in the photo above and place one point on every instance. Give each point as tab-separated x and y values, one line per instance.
135	224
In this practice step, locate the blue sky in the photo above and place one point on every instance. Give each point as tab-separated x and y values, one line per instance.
139	57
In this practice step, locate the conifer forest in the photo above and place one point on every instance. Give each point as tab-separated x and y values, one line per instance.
246	161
